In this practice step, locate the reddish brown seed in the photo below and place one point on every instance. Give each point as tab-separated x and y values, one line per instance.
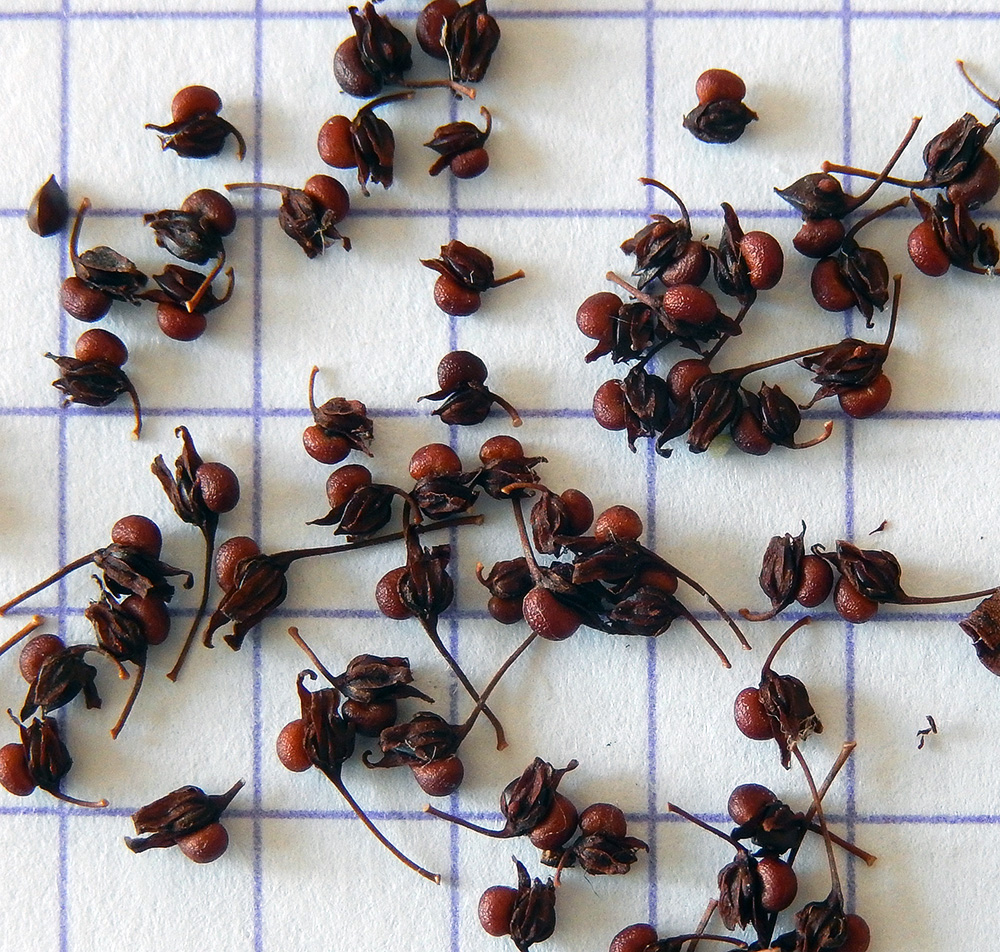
387	595
579	509
152	614
218	486
434	459
851	605
372	718
684	375
14	775
779	881
717	84
829	289
429	29
460	367
85	303
350	72
816	581
558	825
634	938
290	747
500	447
748	435
192	101
595	317
603	818
453	299
440	778
138	532
819	237
507	611
496	906
659	578
97	344
213	207
324	448
229	555
926	250
764	258
49	209
547	616
858	935
978	185
750	716
617	524
470	164
609	405
205	846
747	800
178	323
863	402
34	653
329	193
689	303
334	143
343	482
691	267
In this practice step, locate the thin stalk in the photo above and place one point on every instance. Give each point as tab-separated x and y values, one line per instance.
494	681
133	694
36	622
45	583
700	589
744	309
209	536
298	639
893	159
673	808
458	821
522	531
864	173
802	622
673	195
66	798
878	213
935	600
706	918
995	103
713	644
457	88
510	277
195	299
834	875
696	936
825	435
374	830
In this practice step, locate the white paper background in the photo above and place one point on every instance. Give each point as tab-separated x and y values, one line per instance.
574	127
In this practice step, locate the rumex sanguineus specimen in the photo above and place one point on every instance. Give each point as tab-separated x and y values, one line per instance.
466	398
527	914
197	131
309	215
464	273
49	209
460	146
199	492
178	286
187	818
721	116
94	376
339	426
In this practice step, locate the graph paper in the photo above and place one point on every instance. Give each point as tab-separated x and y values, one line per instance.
587	96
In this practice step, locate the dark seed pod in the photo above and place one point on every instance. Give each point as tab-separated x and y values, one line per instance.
49	209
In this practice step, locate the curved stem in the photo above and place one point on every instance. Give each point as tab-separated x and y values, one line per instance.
515	417
312	379
864	173
431	628
732	940
136	409
700	628
300	641
66	798
36	622
522	531
777	645
878	213
494	681
457	88
673	808
893	159
995	103
195	298
133	694
202	605
74	235
706	918
722	613
834	875
933	600
640	296
233	186
458	821
673	195
45	583
868	858
825	435
516	276
374	830
740	372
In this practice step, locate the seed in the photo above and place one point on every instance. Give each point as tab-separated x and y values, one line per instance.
205	846
716	84
387	595
926	250
152	615
617	524
496	905
829	289
748	435
690	304
864	402
500	448
138	532
218	486
229	555
324	448
858	935
470	164
326	190
97	344
979	184
49	209
750	716
178	323
603	818
434	459
350	72
290	747
764	258
440	778
779	881
684	375
342	483
334	143
83	302
34	653
216	210
558	825
507	611
595	317
748	800
634	938
816	581
819	238
14	774
429	29
453	299
547	616
193	100
579	509
851	605
369	719
609	406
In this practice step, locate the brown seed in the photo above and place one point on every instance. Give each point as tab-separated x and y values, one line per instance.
206	845
453	299
334	143
496	906
765	259
213	207
369	719
549	617
858	935
618	523
690	304
98	344
748	435
634	938
499	448
747	800
387	595
429	29
819	238
851	605
595	317
14	775
816	581
603	818
329	193
684	375
350	72
470	164
152	614
926	251
716	84
343	482
218	486
609	406
49	209
580	510
178	323
85	303
829	289
507	611
978	185
440	778
192	101
34	653
229	555
434	459
290	747
864	402
324	448
779	881
138	532
750	716
558	825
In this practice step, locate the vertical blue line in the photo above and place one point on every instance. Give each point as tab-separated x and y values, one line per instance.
849	499
63	445
255	512
651	646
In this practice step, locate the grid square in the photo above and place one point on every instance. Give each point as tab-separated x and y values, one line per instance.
31	126
224	9
32	843
117	160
